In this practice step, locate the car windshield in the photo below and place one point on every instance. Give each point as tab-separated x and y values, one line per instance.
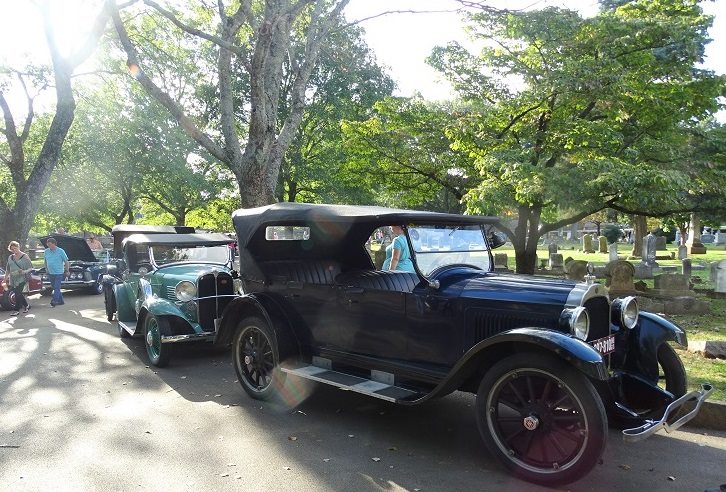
164	254
437	246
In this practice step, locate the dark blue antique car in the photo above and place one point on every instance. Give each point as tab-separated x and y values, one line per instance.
550	361
86	267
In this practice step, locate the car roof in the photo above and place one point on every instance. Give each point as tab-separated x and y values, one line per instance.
143	228
247	221
181	240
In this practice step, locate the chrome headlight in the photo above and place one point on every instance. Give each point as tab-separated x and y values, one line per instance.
185	291
625	311
578	321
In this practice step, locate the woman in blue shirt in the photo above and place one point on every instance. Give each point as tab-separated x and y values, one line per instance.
398	256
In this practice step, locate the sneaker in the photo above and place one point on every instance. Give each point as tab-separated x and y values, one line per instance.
14	313
27	308
52	304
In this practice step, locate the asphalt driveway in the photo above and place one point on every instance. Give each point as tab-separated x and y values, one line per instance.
82	410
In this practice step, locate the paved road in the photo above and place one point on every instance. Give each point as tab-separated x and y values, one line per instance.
81	410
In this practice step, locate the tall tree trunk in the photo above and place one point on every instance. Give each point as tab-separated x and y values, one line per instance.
526	237
640	230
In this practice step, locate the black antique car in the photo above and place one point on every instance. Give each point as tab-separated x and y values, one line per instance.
86	268
170	288
550	361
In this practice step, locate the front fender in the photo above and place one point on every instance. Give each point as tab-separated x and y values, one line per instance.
239	308
649	333
124	309
161	307
487	352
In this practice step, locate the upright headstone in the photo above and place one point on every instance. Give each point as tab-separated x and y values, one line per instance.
678	237
613	250
649	250
552	248
602	243
660	243
587	244
500	261
721	277
671	285
619	277
687	267
556	262
713	269
576	270
682	252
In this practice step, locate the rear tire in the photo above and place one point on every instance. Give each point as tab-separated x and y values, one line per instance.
256	359
541	418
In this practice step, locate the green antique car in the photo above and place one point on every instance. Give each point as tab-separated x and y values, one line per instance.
171	288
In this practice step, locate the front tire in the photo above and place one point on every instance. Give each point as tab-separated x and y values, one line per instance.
154	327
109	302
256	359
541	418
671	373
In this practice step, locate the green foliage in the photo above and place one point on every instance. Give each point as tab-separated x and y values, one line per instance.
612	232
569	115
403	154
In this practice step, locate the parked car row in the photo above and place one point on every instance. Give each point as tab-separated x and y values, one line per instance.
552	362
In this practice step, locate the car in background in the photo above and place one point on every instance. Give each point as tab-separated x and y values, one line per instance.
86	269
7	297
171	288
551	361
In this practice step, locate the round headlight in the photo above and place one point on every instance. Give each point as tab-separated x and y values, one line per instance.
628	311
578	321
185	291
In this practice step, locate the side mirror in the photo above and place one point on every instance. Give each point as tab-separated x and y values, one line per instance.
496	239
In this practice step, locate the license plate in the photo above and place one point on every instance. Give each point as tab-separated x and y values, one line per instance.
604	345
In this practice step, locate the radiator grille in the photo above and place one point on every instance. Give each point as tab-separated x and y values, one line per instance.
212	308
599	310
171	293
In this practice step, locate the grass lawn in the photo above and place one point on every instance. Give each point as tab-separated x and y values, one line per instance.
710	326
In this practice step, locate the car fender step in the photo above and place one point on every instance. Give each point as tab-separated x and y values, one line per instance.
369	387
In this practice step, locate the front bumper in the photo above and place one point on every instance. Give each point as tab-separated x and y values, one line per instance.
71	284
652	426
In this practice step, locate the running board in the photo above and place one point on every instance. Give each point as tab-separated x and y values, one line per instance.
370	387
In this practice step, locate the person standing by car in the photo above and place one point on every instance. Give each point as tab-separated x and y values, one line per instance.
16	276
57	267
398	256
94	243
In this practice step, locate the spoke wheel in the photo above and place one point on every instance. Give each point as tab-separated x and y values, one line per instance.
158	352
541	418
256	359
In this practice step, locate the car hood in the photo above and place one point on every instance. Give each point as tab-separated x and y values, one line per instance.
76	248
538	290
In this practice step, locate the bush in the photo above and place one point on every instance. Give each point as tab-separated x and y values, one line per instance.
612	233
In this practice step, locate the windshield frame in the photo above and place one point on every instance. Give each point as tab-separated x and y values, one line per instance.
483	248
227	263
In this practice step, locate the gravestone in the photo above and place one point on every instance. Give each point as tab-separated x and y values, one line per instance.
649	250
500	262
613	250
552	248
672	285
682	252
695	246
576	270
602	243
687	268
660	243
619	276
587	244
678	237
556	262
721	277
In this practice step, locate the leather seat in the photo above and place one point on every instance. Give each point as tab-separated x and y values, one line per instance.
380	280
319	272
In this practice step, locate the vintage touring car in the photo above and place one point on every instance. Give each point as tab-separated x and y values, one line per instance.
550	360
86	269
171	288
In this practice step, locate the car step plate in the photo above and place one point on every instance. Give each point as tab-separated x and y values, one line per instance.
352	383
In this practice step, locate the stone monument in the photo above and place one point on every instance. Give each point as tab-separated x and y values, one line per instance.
619	278
695	247
602	243
587	244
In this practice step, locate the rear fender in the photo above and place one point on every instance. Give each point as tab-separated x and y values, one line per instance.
267	309
650	332
487	352
125	311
